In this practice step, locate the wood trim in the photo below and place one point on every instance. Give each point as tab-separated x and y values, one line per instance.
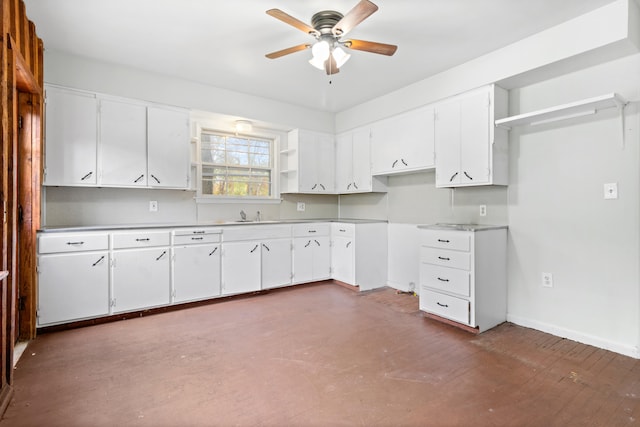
452	323
25	80
6	394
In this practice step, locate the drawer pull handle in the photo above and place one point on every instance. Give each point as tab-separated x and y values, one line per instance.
254	248
444	241
139	178
442	305
86	176
308	243
98	261
443	280
266	247
197	238
199	232
213	251
312	231
444	258
75	243
453	176
161	255
342	230
317	243
143	240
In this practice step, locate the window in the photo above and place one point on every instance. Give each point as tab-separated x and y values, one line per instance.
236	166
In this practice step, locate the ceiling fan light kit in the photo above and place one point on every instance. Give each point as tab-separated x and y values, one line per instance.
328	27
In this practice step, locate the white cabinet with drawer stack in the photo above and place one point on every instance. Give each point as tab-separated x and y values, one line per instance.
463	274
311	252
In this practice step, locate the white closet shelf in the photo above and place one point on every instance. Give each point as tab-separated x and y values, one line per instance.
565	111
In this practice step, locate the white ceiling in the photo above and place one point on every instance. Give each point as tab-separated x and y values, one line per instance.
223	43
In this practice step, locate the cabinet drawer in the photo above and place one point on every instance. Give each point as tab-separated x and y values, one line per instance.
444	305
342	229
302	230
256	232
196	231
195	239
453	259
72	242
454	240
446	279
141	239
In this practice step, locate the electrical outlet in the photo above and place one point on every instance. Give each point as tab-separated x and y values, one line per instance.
153	206
611	190
547	280
301	207
483	210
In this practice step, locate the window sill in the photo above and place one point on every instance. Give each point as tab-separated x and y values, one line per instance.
236	200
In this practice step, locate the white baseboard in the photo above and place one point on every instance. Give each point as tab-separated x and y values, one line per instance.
626	350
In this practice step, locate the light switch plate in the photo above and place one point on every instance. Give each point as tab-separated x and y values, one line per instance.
611	190
301	207
153	206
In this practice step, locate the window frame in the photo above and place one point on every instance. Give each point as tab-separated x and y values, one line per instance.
274	138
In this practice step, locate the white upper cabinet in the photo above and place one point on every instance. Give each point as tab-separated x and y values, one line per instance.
311	162
353	163
470	150
99	140
168	147
123	144
404	143
70	138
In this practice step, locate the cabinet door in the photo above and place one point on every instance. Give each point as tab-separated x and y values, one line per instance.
276	263
342	259
325	163
344	163
72	286
140	279
240	267
196	272
168	146
303	260
475	148
123	144
71	138
321	258
447	140
307	163
361	164
417	137
383	146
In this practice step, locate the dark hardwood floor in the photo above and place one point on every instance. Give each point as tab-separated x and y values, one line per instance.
317	355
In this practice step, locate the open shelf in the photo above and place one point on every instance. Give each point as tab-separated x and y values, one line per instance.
566	111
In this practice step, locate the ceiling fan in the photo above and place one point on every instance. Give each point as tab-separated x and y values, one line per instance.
328	27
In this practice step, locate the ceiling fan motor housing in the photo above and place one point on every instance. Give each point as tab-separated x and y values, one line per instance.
325	20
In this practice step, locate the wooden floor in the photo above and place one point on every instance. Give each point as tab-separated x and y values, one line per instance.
318	355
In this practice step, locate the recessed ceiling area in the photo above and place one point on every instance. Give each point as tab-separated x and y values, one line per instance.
223	43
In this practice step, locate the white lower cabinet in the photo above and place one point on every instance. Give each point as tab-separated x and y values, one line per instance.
196	264
140	270
463	275
311	252
276	263
73	277
240	267
359	254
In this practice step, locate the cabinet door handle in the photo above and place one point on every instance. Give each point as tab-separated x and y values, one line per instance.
75	243
86	176
254	248
349	186
453	176
197	238
213	251
444	241
348	244
154	177
403	162
444	258
98	261
317	243
443	280
161	255
468	176
308	243
314	186
322	186
143	240
266	247
442	305
393	165
139	178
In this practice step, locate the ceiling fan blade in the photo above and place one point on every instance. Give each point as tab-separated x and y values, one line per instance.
373	47
330	66
288	19
287	51
359	13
